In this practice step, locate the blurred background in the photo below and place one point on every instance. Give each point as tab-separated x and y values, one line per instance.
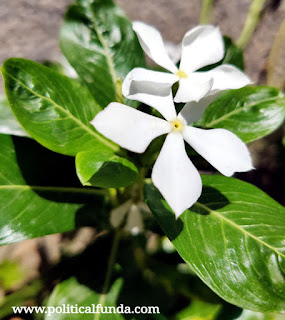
29	29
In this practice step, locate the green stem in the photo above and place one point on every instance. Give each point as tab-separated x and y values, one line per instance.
109	272
206	11
250	23
118	90
113	192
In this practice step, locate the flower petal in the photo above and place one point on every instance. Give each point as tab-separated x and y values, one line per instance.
175	176
226	77
221	148
201	46
174	51
129	128
193	88
193	111
152	88
152	44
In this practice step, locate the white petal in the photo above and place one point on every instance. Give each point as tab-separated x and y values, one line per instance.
201	47
174	51
193	111
129	128
221	148
193	88
227	77
152	88
152	44
175	176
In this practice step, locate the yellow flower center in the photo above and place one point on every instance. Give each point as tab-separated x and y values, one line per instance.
177	125
181	74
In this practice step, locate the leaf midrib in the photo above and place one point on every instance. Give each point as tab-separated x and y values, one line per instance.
69	114
105	46
221	217
53	189
228	115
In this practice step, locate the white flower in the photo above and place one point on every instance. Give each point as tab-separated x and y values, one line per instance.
173	174
201	46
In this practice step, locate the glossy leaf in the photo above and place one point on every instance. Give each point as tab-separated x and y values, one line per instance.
98	41
28	211
8	122
61	66
71	292
233	238
52	108
105	170
18	298
251	112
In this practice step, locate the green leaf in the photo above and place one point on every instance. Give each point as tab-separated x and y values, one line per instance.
11	274
28	211
250	112
98	41
233	238
8	122
20	297
54	109
233	55
62	66
104	170
199	310
71	292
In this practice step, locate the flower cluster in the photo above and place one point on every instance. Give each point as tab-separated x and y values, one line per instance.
173	174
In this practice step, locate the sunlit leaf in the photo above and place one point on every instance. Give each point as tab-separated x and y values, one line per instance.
98	41
233	238
8	122
52	108
71	292
37	209
105	170
251	112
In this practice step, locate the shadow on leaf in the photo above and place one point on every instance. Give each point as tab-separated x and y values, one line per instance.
211	199
41	167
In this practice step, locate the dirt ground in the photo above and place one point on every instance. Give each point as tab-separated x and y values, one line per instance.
29	28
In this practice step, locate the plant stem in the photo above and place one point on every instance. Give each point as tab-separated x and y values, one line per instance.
206	11
250	23
109	272
118	90
113	196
